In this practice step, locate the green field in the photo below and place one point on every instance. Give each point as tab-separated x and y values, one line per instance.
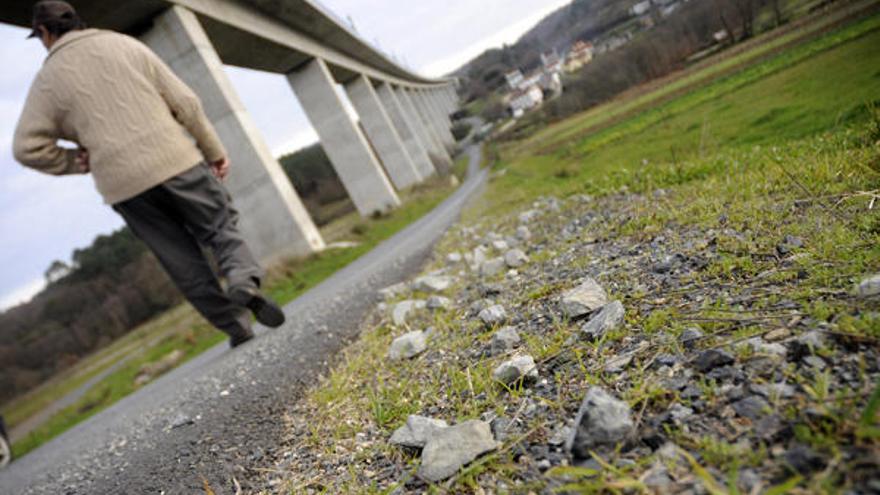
181	328
786	146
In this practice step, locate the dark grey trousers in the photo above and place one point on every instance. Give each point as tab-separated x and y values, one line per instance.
177	220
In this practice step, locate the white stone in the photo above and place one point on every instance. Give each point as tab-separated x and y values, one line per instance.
432	283
510	371
408	346
500	245
583	299
523	233
870	286
515	258
438	302
403	309
417	430
453	258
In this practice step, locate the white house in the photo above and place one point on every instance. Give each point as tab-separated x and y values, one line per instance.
524	100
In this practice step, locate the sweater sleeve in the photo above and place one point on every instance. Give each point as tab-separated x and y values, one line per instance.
35	143
186	107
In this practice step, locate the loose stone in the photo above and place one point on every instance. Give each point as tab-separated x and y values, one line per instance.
431	283
453	258
690	337
438	302
519	367
500	245
587	297
515	258
752	407
608	318
493	315
417	430
393	291
403	309
602	421
454	447
713	358
492	267
870	286
504	340
523	233
408	346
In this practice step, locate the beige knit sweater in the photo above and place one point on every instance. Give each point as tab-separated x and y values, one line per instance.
112	95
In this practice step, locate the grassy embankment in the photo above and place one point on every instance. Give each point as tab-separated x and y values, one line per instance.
788	146
182	328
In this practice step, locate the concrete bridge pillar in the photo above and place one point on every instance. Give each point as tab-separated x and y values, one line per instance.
435	97
347	148
441	125
436	150
405	130
273	218
382	133
427	118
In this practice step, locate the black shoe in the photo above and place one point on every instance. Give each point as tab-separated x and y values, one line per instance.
267	312
237	340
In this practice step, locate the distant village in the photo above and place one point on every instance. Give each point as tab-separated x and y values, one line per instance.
525	92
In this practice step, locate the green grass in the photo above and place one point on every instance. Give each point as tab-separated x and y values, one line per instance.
700	74
183	330
805	90
790	145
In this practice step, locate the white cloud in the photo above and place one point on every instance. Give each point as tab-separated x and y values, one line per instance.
22	294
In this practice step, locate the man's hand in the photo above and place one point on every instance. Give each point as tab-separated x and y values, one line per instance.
220	168
82	161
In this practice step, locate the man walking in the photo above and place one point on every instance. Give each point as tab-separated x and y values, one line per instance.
153	154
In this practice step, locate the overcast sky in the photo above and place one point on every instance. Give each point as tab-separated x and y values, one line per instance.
44	218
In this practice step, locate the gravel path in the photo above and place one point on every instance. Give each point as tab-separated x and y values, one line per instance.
214	418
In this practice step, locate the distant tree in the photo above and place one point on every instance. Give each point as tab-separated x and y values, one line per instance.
56	271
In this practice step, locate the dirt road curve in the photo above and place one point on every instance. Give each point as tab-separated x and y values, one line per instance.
216	417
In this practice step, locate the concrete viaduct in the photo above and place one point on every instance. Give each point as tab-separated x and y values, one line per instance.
403	136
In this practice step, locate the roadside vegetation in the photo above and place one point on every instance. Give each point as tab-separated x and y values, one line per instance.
744	210
182	329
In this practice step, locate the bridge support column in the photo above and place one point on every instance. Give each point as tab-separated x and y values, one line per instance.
439	155
273	218
379	128
437	100
405	130
346	146
427	117
441	124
